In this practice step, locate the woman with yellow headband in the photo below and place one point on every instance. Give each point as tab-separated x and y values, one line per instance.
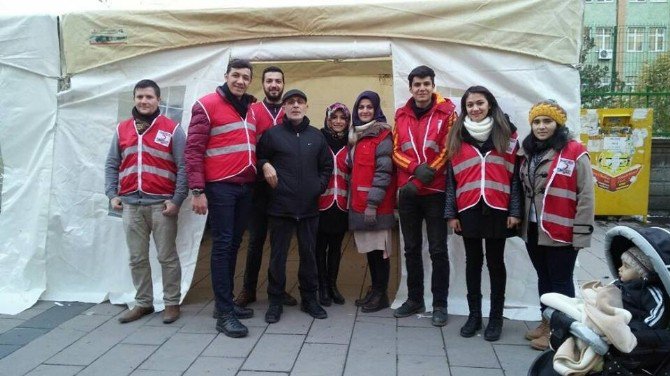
558	186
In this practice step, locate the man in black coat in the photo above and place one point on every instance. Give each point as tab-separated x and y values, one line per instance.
297	164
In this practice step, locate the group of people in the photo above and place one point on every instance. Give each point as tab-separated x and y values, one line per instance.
263	166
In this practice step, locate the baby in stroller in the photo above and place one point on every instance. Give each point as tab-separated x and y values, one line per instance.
641	258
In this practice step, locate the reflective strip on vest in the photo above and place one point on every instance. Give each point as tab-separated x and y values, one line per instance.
501	161
562	193
475	185
230	149
335	192
474	161
342	174
160	172
148	169
553	218
406	146
157	153
363	189
127	171
128	151
497	186
230	127
432	145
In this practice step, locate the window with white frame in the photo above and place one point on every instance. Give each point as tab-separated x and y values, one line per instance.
634	39
637	1
603	38
604	1
656	39
658	1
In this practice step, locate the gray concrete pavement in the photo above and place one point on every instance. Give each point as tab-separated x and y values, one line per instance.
54	338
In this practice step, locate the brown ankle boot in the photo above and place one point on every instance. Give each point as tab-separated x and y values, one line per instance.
542	342
171	314
135	314
538	331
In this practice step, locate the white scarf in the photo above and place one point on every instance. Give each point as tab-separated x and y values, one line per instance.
479	130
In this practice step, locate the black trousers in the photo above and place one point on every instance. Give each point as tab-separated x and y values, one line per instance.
495	262
281	232
554	265
258	228
413	211
328	254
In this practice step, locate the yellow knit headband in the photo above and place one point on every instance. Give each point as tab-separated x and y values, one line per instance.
553	111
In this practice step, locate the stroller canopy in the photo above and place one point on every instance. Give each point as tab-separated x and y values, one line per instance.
653	241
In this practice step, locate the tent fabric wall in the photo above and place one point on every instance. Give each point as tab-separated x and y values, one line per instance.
88	258
57	237
540	28
29	71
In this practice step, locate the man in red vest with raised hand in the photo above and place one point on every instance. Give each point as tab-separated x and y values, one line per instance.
268	113
420	154
221	168
146	179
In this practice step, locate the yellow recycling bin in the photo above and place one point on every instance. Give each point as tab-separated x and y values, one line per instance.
619	144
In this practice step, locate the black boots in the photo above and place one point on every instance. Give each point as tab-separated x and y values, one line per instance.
494	327
324	293
474	322
328	266
378	301
362	301
377	298
333	270
334	292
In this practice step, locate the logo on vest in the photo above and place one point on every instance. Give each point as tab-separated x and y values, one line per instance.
511	146
565	167
163	138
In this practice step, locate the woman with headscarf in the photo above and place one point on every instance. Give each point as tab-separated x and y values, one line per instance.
483	200
372	194
333	206
557	181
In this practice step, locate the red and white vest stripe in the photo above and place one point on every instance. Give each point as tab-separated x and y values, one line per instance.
231	147
486	176
559	204
147	164
264	118
336	193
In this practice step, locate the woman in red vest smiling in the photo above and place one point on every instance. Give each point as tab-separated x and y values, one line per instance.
372	194
558	185
483	199
333	205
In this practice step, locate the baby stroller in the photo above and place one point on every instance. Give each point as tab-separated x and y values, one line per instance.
651	356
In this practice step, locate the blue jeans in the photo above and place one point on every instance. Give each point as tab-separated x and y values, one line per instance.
229	206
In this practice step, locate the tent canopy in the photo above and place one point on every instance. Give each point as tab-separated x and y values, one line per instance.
538	28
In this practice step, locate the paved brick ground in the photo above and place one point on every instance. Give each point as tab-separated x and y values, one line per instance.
56	339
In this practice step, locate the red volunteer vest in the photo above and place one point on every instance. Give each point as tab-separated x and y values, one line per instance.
231	148
559	204
487	176
336	193
419	139
264	119
362	174
147	164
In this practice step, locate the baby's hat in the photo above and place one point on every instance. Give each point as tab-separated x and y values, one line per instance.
638	261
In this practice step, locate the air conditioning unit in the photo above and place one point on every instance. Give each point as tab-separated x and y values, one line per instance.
605	54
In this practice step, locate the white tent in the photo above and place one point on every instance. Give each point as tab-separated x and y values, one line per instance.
57	239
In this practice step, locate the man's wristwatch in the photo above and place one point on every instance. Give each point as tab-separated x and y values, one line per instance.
196	192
